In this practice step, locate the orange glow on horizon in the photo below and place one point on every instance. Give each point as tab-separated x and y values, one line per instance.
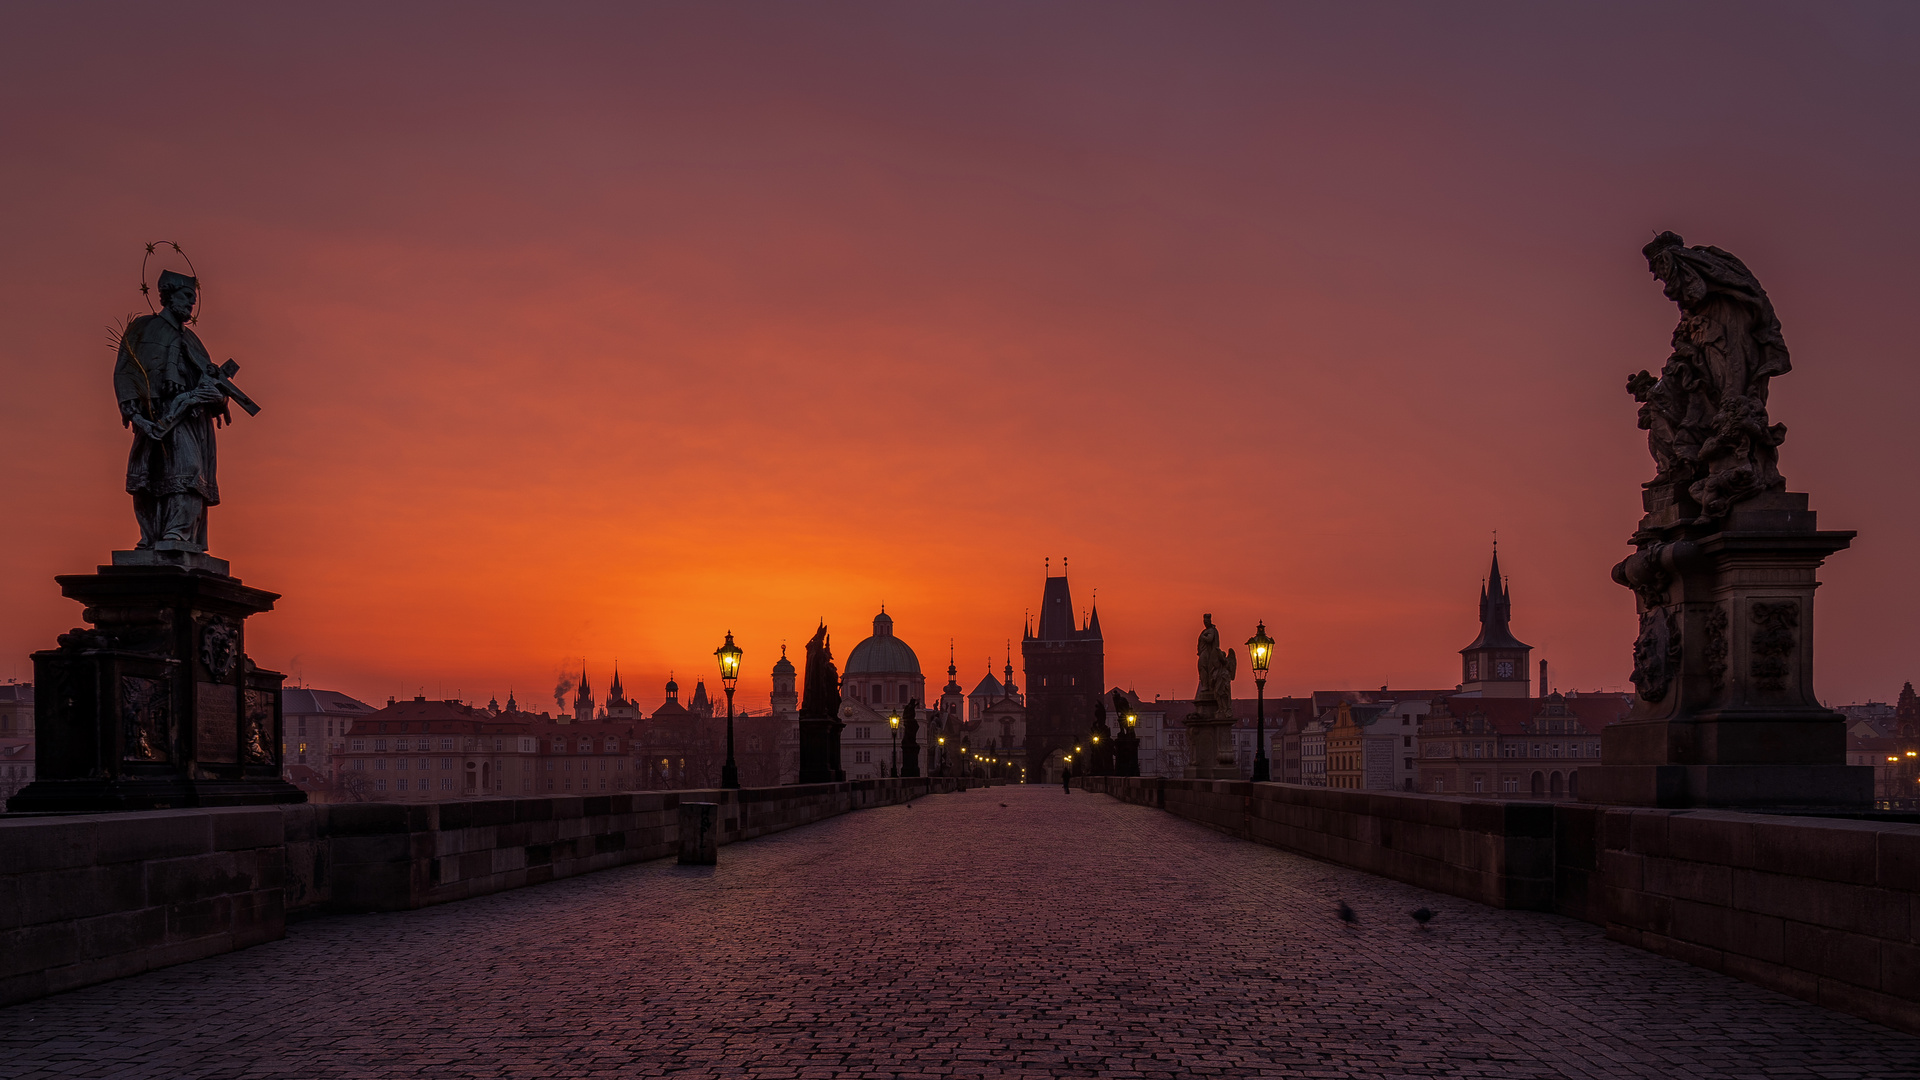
601	336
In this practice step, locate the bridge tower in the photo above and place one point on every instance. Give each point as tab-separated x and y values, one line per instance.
1066	674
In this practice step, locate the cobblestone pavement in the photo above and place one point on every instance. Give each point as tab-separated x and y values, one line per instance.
1009	932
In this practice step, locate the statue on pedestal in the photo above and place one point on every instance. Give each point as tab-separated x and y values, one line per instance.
157	705
1723	572
820	714
1210	725
910	739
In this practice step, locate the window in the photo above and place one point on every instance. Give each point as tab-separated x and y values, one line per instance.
1510	784
446	744
400	764
380	746
446	763
381	764
360	764
1439	784
1476	785
403	784
380	785
1406	740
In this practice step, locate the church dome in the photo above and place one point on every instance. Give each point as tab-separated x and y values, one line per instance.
882	653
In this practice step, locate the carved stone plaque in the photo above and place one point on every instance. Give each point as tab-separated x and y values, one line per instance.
258	744
216	722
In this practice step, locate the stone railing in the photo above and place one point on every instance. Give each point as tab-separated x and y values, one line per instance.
1824	908
90	897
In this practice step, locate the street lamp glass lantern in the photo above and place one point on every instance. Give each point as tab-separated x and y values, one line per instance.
1260	649
1132	719
894	721
729	655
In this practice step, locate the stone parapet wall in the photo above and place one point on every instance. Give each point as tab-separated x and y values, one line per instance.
85	899
1498	853
90	897
1825	909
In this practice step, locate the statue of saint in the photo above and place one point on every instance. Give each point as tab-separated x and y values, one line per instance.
170	394
1217	670
1706	414
820	698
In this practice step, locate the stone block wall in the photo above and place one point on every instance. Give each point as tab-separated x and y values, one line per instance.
1823	908
92	897
1498	853
89	898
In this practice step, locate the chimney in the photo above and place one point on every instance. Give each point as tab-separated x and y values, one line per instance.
1543	678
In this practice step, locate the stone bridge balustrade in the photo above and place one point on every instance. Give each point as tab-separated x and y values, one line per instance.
86	898
1825	908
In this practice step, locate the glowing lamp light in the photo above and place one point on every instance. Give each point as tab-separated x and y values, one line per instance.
729	655
1260	648
893	720
1132	719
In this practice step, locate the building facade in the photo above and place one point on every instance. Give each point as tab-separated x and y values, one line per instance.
314	727
882	676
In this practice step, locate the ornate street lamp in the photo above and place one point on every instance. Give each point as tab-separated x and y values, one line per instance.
1260	652
893	726
941	741
729	655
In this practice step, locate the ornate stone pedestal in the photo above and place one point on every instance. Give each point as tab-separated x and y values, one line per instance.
157	706
1210	752
1723	665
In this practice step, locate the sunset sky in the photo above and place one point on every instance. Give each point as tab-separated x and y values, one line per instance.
599	331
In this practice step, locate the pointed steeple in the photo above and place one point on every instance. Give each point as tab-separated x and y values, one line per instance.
614	691
1496	610
1093	623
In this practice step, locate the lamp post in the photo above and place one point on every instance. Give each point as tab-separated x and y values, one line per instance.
729	655
1260	652
893	728
941	742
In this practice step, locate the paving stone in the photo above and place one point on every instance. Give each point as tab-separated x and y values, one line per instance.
1058	936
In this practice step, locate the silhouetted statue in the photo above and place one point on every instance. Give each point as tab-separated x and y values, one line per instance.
1217	670
820	693
910	739
820	714
1706	415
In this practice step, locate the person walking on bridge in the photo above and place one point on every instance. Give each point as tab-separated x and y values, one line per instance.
1066	778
